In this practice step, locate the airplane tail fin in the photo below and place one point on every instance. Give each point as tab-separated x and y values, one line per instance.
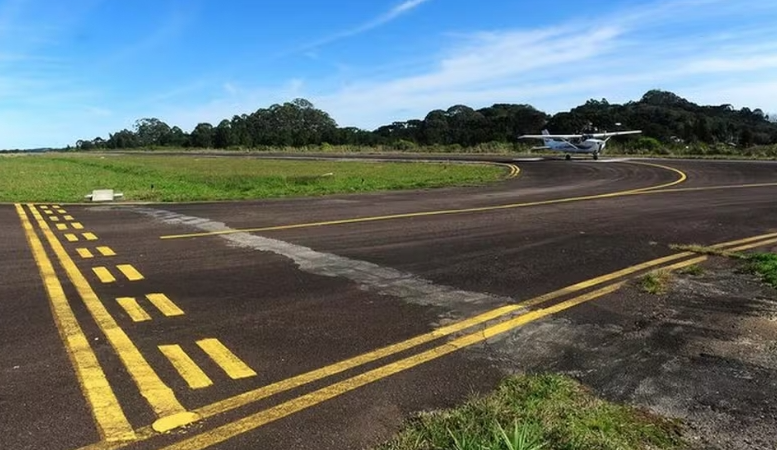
546	141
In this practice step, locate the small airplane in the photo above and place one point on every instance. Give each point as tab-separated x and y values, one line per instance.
593	143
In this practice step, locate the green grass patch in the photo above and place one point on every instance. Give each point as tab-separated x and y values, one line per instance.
656	282
68	178
693	270
764	265
532	412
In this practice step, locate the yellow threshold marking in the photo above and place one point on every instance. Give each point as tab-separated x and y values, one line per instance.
71	237
44	207
54	218
112	424
60	210
682	178
253	421
84	253
130	272
164	305
106	251
90	236
103	274
133	309
48	212
77	225
231	364
61	226
186	367
159	396
68	218
256	395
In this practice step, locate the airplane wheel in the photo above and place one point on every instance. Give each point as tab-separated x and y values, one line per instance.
596	156
568	157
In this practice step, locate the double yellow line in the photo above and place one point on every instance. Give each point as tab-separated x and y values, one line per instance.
508	318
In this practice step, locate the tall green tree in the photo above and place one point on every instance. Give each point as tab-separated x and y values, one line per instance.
202	135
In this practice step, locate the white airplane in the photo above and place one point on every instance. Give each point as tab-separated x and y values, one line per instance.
593	143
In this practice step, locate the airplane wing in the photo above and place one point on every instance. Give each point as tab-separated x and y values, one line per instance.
550	136
615	133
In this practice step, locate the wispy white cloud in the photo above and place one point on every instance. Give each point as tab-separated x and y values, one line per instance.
710	51
618	56
388	16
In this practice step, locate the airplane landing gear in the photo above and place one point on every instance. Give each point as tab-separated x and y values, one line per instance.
596	156
568	157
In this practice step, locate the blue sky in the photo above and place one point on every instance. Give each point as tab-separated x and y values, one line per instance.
83	68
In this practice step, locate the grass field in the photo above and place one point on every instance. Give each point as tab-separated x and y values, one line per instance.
538	412
493	149
68	178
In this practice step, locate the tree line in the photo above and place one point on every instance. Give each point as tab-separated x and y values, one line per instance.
664	118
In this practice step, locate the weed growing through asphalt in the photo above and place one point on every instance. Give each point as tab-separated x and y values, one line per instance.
693	270
764	265
656	282
705	250
538	412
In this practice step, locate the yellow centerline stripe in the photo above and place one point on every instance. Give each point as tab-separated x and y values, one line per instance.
682	177
186	367
111	422
130	272
133	309
159	396
234	367
258	394
164	305
253	421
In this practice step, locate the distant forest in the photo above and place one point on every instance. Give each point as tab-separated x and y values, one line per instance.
665	119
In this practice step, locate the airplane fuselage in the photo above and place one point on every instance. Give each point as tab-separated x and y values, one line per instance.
586	146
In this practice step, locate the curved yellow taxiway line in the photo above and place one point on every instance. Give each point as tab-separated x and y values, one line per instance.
681	178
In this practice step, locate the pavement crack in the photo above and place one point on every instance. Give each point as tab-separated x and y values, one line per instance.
367	275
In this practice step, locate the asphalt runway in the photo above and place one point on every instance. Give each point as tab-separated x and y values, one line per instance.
322	323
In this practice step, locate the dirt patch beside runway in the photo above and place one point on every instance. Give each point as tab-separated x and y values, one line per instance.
704	352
